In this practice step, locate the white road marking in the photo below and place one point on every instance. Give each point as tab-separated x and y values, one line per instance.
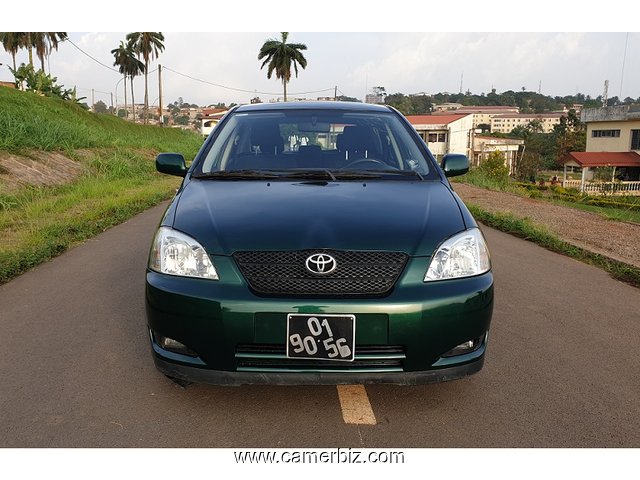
356	408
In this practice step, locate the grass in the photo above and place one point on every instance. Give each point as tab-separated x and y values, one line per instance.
626	209
119	180
29	121
527	230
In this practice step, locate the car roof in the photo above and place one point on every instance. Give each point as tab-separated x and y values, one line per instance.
351	106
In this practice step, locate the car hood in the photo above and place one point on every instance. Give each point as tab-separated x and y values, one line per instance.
405	216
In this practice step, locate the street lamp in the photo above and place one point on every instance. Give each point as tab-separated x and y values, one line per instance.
116	89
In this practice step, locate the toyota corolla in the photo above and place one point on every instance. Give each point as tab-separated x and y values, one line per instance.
317	243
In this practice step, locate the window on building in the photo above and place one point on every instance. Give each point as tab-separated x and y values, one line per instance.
635	139
605	133
437	137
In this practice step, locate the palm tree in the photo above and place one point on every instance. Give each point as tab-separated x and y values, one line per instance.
147	45
121	59
134	68
12	42
280	55
45	42
129	66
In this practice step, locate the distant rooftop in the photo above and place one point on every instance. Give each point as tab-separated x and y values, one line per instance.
531	115
434	119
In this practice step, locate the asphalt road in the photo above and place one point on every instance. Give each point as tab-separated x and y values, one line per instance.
76	370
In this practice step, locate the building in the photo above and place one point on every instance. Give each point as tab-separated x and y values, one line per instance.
613	142
210	118
612	129
447	107
445	133
374	98
482	115
509	147
506	123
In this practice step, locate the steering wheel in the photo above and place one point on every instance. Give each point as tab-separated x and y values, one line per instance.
362	161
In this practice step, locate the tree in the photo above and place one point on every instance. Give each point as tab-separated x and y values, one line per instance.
41	83
344	98
147	45
12	42
280	55
121	59
42	42
484	127
100	107
45	43
495	166
570	135
129	66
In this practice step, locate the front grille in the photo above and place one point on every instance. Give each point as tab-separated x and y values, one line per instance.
356	274
379	358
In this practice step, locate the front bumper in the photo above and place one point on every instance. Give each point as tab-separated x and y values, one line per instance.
402	337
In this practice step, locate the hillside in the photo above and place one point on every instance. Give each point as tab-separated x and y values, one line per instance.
67	174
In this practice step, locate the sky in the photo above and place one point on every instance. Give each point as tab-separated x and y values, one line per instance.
224	61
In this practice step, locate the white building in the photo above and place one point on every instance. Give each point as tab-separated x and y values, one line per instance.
506	123
509	147
445	133
210	118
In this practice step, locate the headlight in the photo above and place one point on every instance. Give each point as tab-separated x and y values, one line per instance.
175	253
463	255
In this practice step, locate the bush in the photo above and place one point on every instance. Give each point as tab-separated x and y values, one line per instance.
495	167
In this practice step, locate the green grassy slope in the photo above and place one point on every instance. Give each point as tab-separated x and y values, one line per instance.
29	121
118	180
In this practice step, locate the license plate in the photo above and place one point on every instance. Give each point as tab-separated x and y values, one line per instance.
321	337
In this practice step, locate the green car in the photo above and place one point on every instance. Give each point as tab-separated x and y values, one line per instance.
317	243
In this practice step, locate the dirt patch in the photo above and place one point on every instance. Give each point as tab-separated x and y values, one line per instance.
38	169
617	240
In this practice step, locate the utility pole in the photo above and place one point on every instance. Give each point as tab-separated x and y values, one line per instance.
161	119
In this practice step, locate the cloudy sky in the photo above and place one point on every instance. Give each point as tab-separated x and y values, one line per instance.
227	70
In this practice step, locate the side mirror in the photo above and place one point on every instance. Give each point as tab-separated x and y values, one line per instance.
171	164
455	164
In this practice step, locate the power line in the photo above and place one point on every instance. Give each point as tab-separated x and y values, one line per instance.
195	78
92	58
241	89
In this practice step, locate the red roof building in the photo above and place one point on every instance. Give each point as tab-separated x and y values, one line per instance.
603	159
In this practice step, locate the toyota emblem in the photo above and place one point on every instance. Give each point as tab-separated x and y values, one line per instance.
321	263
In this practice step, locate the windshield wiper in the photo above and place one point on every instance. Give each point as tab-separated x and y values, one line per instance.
404	173
238	174
311	174
356	174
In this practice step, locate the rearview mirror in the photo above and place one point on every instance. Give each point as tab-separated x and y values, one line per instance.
455	164
171	164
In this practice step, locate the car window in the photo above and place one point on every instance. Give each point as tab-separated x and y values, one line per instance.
312	139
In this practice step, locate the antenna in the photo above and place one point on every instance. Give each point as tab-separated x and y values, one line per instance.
624	58
605	93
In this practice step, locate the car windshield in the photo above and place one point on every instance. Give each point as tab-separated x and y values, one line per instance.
321	142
